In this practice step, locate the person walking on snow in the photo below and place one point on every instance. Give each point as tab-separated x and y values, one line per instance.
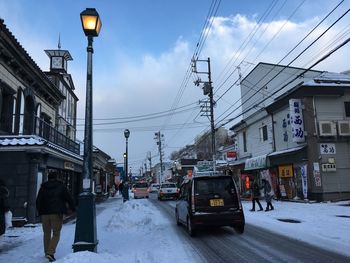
268	195
51	203
255	196
4	206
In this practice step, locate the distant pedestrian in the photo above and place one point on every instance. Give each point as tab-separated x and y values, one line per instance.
4	206
51	203
255	196
268	195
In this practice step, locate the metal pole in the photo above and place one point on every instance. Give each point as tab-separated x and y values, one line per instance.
85	230
126	161
212	118
87	163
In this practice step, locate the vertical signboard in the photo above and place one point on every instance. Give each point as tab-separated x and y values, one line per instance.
303	172
296	120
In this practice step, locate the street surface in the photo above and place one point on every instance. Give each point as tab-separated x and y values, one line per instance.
255	245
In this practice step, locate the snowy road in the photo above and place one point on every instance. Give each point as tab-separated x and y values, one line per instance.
144	231
255	245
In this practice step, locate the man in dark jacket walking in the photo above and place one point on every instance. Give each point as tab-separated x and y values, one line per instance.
51	203
255	196
268	195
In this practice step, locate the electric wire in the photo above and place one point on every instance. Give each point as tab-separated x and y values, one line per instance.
323	58
284	67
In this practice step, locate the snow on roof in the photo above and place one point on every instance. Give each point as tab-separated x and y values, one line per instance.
33	140
287	150
330	78
25	140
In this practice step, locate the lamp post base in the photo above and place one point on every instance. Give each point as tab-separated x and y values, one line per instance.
85	228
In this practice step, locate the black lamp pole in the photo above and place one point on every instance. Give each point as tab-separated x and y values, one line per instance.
126	135
85	229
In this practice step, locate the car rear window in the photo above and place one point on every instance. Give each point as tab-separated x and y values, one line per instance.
168	186
218	185
141	185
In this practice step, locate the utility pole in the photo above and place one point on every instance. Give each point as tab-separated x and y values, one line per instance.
149	157
207	90
158	137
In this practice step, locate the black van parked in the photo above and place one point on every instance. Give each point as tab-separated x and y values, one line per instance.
209	200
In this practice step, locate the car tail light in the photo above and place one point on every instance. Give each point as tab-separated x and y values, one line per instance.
238	199
193	203
193	200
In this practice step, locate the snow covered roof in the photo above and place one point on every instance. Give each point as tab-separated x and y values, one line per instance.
287	150
23	140
34	140
330	79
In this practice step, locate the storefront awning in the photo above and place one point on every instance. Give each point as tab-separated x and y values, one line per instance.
287	151
237	162
257	162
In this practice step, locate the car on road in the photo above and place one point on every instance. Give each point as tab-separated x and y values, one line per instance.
168	191
209	199
140	190
153	188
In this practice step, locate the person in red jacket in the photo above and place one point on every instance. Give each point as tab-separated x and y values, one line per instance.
51	203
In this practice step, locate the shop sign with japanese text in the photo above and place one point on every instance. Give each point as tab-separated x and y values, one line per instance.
258	162
296	120
285	171
327	148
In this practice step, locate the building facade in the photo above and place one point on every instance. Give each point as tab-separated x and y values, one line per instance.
295	132
37	124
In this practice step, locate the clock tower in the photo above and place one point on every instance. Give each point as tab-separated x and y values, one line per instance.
58	59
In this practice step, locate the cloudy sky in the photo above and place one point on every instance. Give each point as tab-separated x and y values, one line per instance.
142	78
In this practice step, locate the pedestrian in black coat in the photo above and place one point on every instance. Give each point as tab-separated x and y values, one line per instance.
268	195
52	202
255	196
4	206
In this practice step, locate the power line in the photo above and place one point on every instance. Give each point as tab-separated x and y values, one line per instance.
289	82
142	119
204	32
284	67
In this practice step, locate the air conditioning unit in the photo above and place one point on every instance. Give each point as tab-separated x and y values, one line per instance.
344	128
327	128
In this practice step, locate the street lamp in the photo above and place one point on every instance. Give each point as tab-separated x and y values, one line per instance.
85	229
126	135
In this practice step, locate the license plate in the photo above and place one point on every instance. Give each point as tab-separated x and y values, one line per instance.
216	202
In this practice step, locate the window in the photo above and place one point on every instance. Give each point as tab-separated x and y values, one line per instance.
245	141
263	133
347	108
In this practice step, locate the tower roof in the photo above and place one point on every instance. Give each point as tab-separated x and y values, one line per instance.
59	53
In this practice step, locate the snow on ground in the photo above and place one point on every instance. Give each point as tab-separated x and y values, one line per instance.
136	232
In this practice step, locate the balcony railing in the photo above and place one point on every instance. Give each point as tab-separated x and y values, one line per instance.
40	128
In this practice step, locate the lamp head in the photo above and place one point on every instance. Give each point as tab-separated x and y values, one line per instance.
126	133
91	22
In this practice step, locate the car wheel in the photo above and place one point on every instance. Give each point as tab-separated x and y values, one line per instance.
239	229
177	218
190	228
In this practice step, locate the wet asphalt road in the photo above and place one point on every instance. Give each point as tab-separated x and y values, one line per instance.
255	245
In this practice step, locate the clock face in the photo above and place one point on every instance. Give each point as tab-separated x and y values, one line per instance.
57	62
